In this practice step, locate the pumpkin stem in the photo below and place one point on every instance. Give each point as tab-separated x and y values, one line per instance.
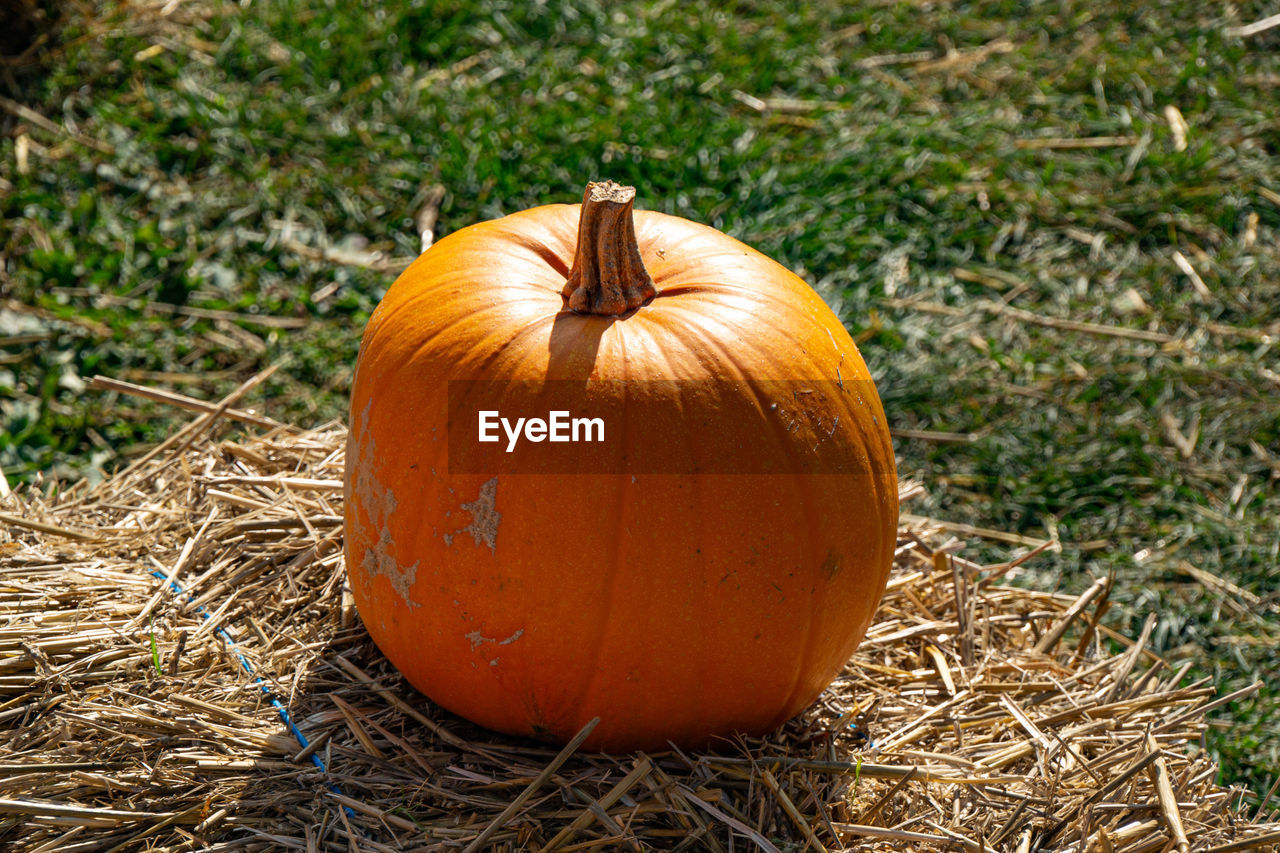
607	277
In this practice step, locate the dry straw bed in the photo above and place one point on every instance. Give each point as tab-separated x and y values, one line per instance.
170	639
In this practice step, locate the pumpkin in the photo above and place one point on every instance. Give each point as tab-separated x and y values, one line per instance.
717	588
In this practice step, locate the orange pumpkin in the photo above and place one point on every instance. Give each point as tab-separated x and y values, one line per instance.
678	602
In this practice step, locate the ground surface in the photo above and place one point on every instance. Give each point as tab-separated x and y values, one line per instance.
215	189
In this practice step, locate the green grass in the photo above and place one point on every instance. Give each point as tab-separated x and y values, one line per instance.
887	185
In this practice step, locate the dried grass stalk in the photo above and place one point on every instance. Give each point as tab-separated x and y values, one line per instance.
169	640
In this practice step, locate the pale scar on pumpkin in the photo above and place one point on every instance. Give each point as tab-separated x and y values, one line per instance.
478	639
380	502
484	517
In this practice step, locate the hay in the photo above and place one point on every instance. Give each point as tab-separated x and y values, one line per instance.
171	638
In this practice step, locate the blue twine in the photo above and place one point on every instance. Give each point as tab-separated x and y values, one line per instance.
262	685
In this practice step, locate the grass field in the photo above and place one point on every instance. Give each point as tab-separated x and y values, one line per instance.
1051	226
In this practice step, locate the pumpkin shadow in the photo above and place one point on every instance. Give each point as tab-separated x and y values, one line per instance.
384	744
574	345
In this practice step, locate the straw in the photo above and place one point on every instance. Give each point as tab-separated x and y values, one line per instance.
977	715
